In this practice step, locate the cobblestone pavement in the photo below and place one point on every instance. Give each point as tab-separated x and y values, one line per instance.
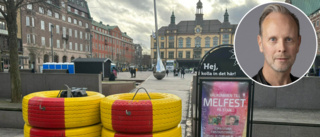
170	84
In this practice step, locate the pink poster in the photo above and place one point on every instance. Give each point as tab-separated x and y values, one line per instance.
224	108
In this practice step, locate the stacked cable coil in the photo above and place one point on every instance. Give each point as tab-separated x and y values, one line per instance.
47	115
121	115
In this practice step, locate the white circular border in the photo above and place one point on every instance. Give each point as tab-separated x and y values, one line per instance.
315	53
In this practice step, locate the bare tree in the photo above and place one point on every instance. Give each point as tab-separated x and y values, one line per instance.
12	7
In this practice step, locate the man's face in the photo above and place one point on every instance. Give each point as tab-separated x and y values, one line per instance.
279	41
232	120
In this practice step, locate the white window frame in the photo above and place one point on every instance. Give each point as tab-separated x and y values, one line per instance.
43	41
80	34
58	43
49	13
70	45
76	33
70	32
28	39
29	6
56	15
27	21
57	29
42	25
41	10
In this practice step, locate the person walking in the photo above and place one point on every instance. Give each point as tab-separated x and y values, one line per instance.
167	71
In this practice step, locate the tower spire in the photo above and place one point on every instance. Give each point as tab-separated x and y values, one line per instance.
226	16
173	18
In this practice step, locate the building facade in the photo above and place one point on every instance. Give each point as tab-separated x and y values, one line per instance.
63	24
110	42
4	43
188	41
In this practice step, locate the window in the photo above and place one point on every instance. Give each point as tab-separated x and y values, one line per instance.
69	19
56	15
64	31
28	39
171	44
215	41
171	54
75	33
27	21
162	45
82	14
57	29
80	23
171	38
43	41
162	38
58	43
317	23
75	21
69	8
197	42
49	1
41	10
42	25
75	46
81	48
29	6
187	54
76	11
155	45
70	45
99	47
207	43
63	18
63	4
155	55
2	25
180	42
225	39
80	34
70	32
50	27
49	13
34	39
162	54
188	43
87	26
32	21
64	44
180	54
85	35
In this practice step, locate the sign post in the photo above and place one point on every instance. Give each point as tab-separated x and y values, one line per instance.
224	96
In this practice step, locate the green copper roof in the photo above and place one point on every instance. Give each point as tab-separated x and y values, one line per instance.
101	25
125	35
307	6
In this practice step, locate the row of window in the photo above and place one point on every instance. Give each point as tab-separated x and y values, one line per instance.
171	54
57	15
109	39
113	34
224	36
57	28
188	43
31	38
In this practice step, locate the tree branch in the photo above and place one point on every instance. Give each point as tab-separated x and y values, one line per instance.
18	3
29	2
4	14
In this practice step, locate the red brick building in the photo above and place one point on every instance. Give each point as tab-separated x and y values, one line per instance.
110	42
69	21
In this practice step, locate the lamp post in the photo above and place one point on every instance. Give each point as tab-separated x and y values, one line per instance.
52	43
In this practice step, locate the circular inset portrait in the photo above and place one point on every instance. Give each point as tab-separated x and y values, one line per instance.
275	44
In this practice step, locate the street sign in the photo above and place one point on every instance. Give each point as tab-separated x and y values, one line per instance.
224	96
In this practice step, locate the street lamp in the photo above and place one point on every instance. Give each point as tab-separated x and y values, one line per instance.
52	26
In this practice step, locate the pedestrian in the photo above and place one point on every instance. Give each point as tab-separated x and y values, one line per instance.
167	71
182	73
131	72
174	72
134	72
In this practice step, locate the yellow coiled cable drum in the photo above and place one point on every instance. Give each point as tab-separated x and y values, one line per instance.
44	110
120	113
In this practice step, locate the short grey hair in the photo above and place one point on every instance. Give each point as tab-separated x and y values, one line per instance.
280	9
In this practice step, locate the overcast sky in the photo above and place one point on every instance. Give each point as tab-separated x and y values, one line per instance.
136	17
